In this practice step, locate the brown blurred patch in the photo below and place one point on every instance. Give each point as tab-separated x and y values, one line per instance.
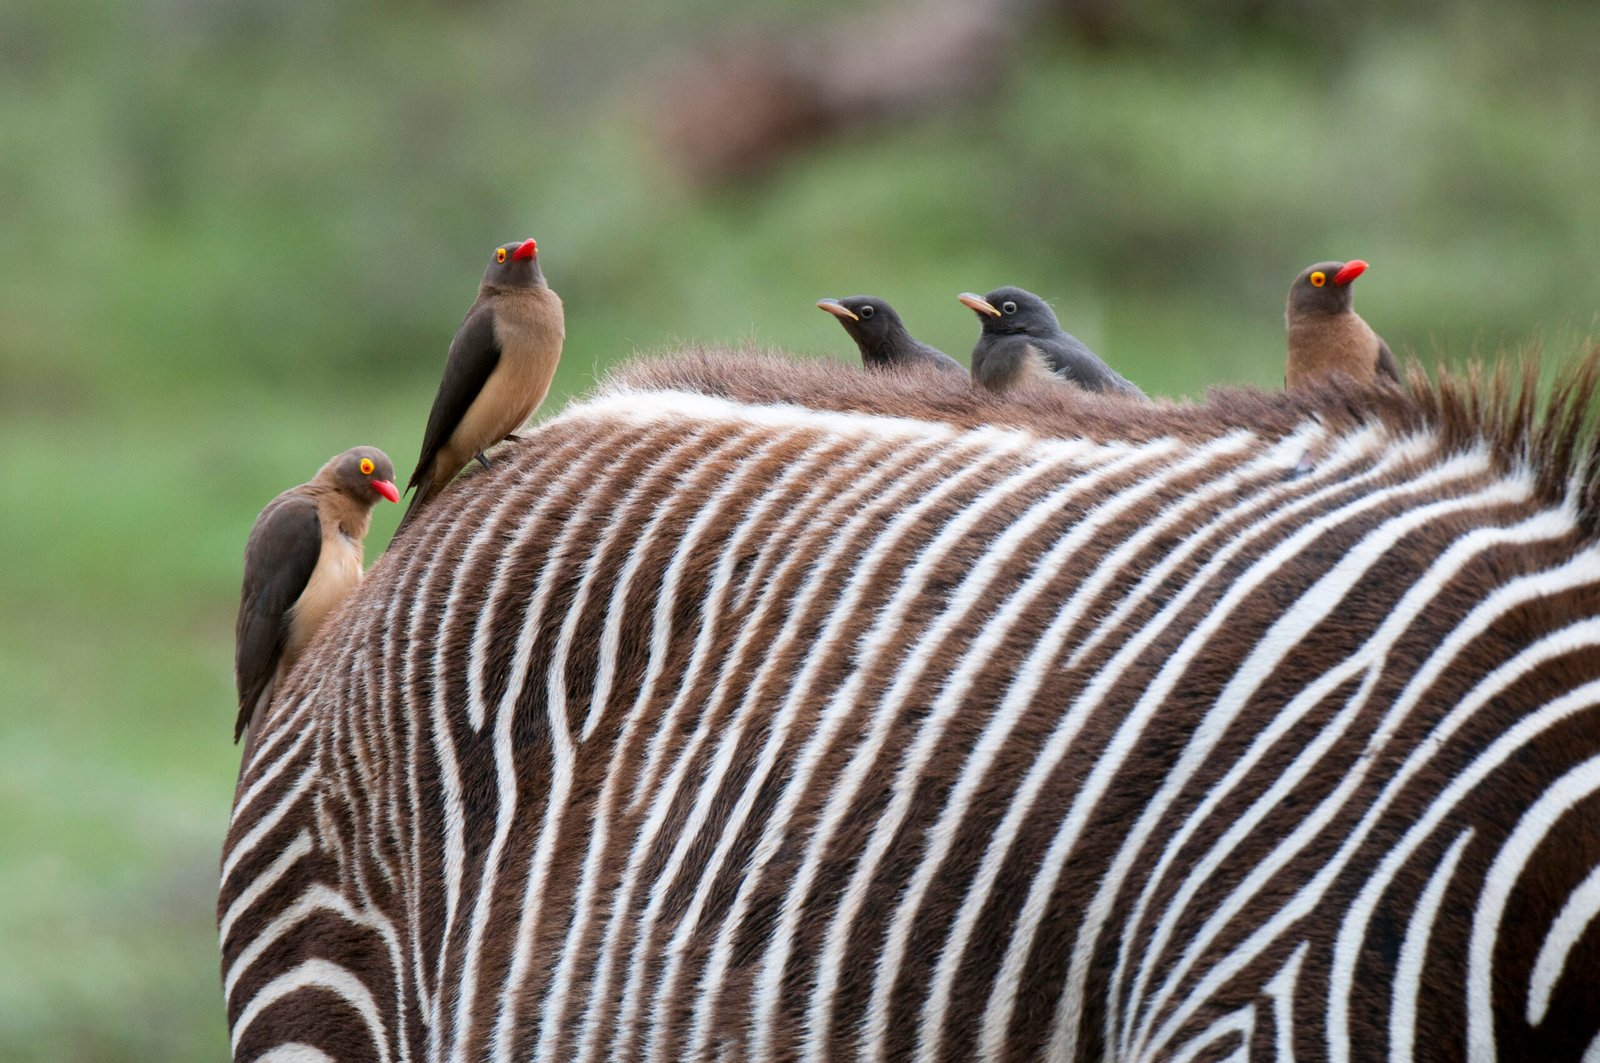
739	108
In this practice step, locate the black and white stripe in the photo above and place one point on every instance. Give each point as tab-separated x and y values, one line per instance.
713	726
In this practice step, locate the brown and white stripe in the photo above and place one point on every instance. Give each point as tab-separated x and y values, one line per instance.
764	710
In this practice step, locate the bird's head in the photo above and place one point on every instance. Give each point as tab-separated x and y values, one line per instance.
1324	288
514	265
868	320
364	473
1008	309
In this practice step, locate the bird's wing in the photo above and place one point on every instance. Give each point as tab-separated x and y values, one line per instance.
937	357
278	561
1387	366
1073	361
473	355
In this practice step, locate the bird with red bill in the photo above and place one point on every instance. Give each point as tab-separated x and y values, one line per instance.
1326	335
496	373
303	556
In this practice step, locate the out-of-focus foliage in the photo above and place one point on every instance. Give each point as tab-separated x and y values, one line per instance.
238	237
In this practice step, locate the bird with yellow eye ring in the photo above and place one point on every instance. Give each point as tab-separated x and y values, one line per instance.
1326	335
303	556
496	372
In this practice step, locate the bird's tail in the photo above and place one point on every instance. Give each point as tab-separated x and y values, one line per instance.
424	492
252	712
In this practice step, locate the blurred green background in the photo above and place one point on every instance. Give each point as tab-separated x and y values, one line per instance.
238	237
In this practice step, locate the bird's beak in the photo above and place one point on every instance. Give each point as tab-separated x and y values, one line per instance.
978	303
837	309
387	489
1349	272
527	249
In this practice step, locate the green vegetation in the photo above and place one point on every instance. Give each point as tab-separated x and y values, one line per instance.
239	237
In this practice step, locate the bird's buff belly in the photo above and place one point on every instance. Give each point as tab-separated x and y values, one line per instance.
338	571
1317	351
506	401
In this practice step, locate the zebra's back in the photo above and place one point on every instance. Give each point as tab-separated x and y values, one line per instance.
710	726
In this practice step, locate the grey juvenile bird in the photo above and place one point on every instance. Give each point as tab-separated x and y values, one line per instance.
1326	335
497	372
303	556
882	337
1022	340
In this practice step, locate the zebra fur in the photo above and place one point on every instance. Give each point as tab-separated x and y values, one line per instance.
754	709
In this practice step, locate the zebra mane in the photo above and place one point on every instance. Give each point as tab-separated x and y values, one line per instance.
1550	435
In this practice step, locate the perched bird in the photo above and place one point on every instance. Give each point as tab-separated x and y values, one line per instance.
304	555
882	336
1326	335
1021	339
497	372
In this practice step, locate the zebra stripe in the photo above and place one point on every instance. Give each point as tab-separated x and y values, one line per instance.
913	723
1403	614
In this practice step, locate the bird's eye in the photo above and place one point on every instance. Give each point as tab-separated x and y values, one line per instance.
1009	307
866	311
500	255
367	466
1318	279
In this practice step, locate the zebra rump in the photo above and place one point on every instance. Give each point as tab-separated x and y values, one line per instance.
754	709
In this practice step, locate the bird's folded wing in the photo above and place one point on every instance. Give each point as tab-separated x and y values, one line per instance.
937	357
1387	366
473	355
1071	360
278	561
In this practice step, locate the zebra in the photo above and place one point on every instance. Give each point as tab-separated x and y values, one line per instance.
759	709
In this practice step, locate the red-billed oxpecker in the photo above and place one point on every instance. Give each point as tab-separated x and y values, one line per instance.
1326	335
1021	340
497	372
303	556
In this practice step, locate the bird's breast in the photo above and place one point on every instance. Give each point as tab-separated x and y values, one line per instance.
529	328
337	573
1321	345
525	370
